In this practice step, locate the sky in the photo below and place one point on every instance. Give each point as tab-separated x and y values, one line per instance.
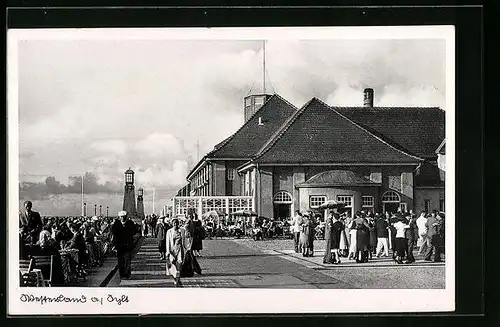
98	107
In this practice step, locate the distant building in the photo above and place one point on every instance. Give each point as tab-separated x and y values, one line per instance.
369	158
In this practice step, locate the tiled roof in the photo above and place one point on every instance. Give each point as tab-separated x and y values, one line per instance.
251	136
336	178
417	130
319	134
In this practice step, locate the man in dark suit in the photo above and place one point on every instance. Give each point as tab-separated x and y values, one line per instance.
434	226
411	235
32	222
123	231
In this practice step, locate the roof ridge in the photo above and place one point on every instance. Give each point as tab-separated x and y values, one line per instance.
390	107
283	128
370	133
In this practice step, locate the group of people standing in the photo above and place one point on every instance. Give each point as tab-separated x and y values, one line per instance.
366	235
180	245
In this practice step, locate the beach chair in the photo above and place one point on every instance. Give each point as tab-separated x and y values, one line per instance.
45	263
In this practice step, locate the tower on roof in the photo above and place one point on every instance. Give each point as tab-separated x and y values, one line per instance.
253	103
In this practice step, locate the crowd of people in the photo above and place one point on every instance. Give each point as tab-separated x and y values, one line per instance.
180	242
76	244
368	235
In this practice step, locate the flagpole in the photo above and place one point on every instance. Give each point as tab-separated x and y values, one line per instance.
153	200
83	206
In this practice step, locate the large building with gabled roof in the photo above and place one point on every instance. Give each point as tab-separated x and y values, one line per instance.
288	158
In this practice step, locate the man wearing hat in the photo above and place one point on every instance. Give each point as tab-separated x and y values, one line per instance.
123	231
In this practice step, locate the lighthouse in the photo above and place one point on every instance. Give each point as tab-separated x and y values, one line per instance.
129	195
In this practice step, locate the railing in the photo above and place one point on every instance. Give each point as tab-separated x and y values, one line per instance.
203	204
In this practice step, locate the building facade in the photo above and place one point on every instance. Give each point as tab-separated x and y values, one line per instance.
369	158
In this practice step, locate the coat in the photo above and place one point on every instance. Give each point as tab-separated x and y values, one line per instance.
161	232
169	242
123	235
431	229
175	255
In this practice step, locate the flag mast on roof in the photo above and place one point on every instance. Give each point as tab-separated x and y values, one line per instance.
253	102
264	67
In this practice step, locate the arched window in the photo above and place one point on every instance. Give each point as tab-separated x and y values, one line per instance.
282	197
391	196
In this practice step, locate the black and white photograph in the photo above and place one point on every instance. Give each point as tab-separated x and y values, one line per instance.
168	168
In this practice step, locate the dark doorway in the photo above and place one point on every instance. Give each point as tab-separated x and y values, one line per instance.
392	207
282	211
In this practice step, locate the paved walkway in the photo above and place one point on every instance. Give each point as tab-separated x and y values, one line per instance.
227	264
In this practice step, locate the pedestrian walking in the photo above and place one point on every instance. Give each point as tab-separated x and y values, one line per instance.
423	241
381	226
327	258
176	249
295	229
161	233
337	229
197	236
411	235
373	237
305	233
435	229
352	239
400	240
344	240
362	238
123	231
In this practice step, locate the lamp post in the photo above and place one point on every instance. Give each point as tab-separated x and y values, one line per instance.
100	210
84	209
95	209
107	211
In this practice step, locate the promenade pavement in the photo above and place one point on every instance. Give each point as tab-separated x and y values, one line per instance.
245	263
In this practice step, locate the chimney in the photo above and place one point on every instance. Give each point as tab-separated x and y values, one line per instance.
368	102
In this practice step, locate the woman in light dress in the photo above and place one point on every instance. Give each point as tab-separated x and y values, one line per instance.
175	249
352	239
344	240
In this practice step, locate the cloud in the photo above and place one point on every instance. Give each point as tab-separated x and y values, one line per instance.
117	147
159	145
154	175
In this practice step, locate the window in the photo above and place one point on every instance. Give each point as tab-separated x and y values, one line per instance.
259	101
230	174
282	197
347	201
441	205
403	207
368	201
316	200
427	205
390	196
248	101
